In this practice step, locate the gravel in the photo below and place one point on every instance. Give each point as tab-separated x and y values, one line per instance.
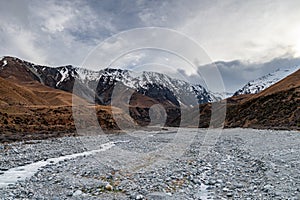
242	164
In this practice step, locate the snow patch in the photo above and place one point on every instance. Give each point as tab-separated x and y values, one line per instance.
4	63
64	74
87	75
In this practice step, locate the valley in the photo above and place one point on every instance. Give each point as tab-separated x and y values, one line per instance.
38	102
69	133
149	100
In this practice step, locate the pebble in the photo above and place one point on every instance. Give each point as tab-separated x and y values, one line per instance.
230	170
109	187
77	193
139	197
229	194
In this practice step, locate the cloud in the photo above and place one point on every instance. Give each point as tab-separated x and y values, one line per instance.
16	40
50	32
225	29
236	74
65	32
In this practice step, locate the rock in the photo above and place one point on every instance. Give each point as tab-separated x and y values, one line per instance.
211	182
239	185
196	181
69	194
77	193
109	187
229	194
219	181
278	194
267	187
139	197
158	196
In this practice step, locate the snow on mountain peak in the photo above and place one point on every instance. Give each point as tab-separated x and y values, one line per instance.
64	74
262	83
183	90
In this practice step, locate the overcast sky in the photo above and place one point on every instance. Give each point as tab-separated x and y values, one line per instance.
65	32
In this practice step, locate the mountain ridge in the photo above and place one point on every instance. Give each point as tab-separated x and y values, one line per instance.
264	82
63	78
275	107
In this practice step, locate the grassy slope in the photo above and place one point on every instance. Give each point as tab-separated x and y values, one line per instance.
276	107
31	110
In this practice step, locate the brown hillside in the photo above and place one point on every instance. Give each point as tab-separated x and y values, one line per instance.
16	71
13	94
276	107
31	110
33	94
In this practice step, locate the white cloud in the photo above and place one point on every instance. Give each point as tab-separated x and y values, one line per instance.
17	41
225	29
64	32
50	32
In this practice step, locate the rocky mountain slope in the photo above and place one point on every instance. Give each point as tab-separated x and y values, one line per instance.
262	83
275	107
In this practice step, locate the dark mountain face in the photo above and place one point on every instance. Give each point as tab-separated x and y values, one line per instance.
62	78
159	93
161	96
104	89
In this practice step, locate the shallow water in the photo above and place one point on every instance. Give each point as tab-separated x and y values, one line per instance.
15	174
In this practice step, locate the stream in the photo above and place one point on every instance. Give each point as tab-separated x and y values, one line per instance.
20	173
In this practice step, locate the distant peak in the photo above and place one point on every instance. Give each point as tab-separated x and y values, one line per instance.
257	85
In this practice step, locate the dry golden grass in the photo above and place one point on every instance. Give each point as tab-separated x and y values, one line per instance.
30	110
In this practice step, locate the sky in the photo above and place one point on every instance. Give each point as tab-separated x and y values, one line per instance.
243	33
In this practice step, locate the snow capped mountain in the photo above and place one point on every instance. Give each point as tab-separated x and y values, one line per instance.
186	93
257	85
103	81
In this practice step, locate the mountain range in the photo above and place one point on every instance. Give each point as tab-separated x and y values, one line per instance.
101	81
36	101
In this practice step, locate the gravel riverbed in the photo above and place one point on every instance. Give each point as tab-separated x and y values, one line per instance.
242	164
